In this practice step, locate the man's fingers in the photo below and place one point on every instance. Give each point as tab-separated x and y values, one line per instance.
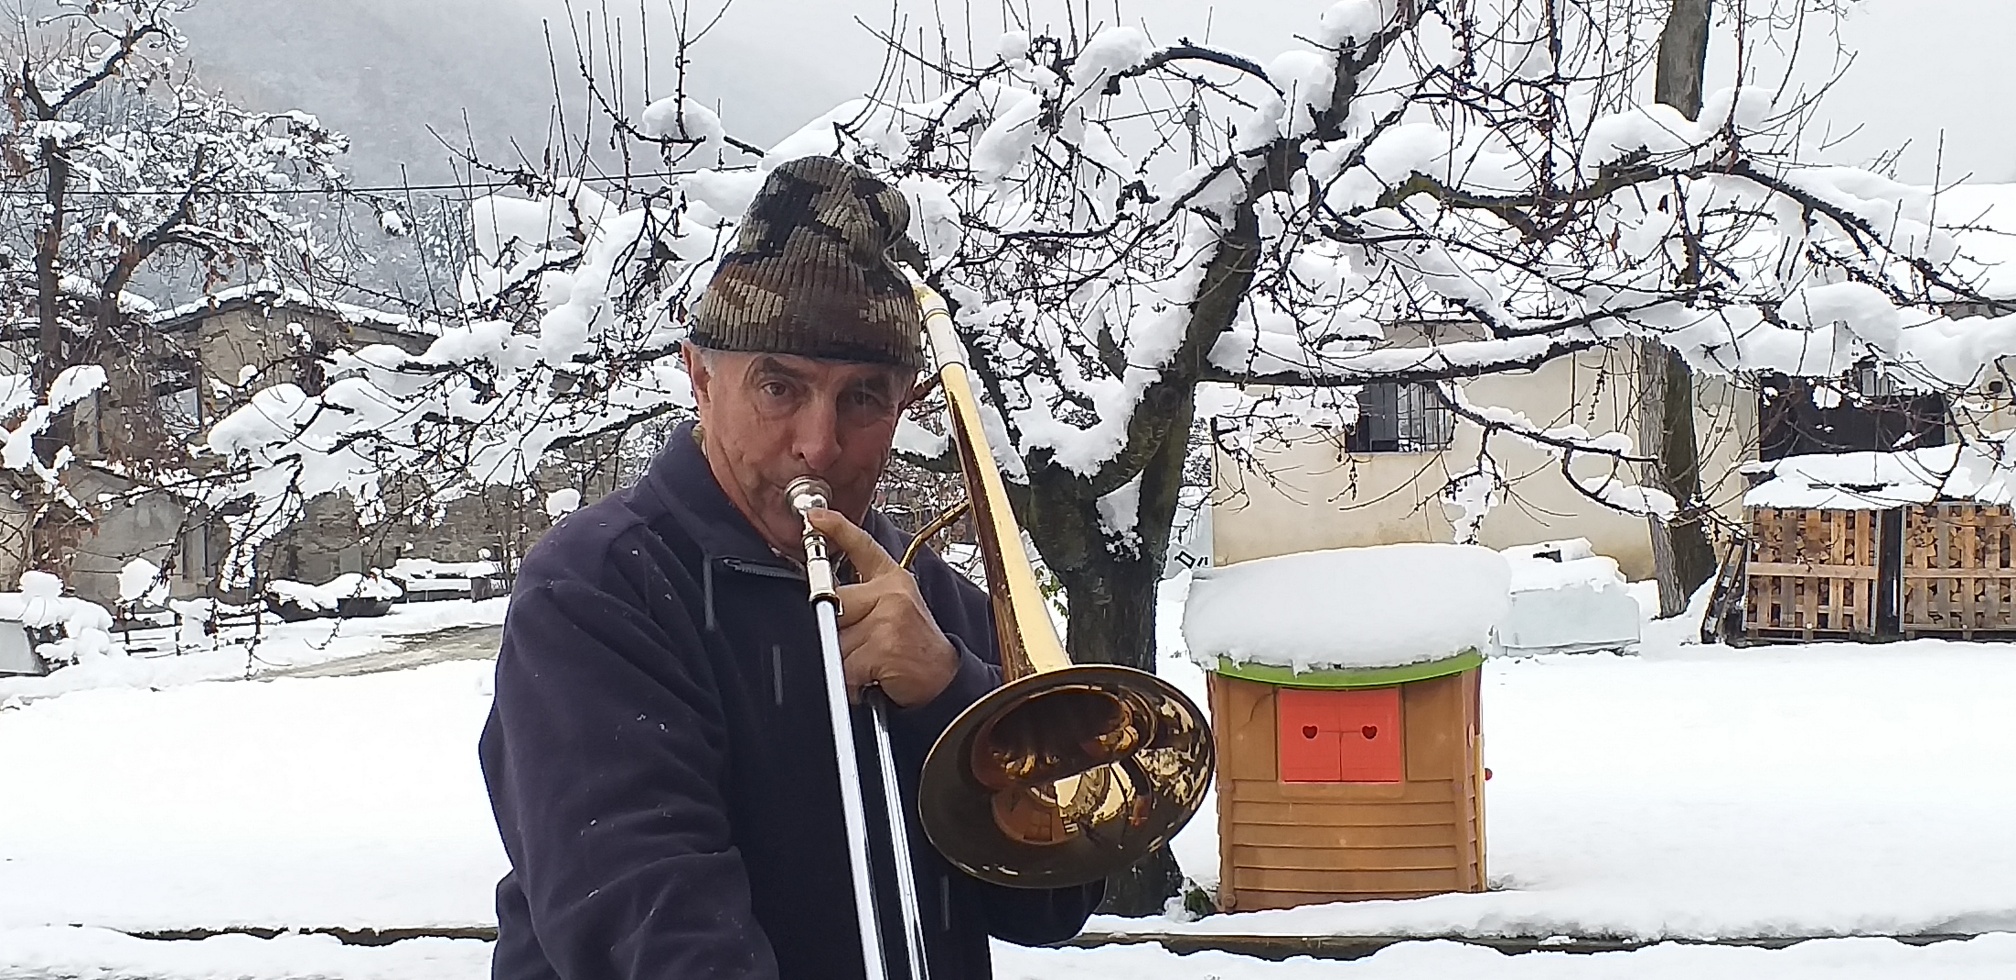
864	551
857	672
858	664
856	601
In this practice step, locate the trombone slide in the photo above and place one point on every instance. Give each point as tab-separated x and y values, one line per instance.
806	494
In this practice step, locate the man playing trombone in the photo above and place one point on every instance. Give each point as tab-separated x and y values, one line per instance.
660	756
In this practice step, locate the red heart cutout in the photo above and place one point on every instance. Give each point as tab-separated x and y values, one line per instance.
1308	731
1369	731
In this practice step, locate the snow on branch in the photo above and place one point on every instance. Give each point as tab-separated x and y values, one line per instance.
1565	443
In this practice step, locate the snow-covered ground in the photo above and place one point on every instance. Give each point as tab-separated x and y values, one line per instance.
238	652
1691	792
339	801
1707	792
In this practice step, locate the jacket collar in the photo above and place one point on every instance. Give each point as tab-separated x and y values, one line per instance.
681	478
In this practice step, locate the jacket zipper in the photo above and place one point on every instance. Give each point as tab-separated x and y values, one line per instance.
764	569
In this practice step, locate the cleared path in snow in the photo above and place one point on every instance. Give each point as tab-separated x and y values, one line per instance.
466	643
50	953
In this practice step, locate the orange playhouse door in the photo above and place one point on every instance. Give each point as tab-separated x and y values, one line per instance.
1340	736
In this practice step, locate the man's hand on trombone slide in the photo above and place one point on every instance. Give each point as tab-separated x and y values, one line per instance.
887	635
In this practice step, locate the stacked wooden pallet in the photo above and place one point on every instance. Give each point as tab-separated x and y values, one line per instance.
1812	574
1959	570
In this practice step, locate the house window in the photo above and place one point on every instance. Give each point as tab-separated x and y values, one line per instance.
1401	418
1872	383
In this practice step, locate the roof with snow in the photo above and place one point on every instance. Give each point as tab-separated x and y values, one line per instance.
270	295
1980	471
1347	609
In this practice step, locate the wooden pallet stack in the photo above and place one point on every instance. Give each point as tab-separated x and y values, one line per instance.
1812	574
1959	570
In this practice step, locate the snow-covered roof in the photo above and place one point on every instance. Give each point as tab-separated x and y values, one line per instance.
1876	481
330	594
1348	608
271	294
408	569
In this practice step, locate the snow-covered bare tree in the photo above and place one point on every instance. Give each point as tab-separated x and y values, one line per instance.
118	171
1137	234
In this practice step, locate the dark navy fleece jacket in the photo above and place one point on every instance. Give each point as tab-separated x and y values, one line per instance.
661	766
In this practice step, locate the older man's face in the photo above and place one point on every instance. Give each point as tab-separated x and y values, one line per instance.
767	419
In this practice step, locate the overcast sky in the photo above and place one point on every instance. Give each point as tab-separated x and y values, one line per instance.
386	70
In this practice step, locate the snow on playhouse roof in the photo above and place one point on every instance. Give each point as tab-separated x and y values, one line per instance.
1347	609
1877	481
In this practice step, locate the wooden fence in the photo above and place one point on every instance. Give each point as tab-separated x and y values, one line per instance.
1812	574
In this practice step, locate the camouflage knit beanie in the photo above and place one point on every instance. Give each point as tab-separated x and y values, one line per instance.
811	272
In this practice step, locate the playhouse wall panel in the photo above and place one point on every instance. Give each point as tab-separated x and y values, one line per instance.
1433	857
1268	885
1285	843
1248	809
1315	835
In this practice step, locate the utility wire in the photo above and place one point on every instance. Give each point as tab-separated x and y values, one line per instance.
340	191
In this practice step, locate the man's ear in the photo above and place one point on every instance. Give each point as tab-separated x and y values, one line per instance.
696	372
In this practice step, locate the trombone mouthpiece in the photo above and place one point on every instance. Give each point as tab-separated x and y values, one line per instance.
808	493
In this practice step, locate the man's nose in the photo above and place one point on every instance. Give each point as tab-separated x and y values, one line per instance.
816	441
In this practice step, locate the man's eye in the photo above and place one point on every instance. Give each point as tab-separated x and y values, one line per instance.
775	389
866	401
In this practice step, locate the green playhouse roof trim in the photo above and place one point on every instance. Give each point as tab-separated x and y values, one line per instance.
1339	679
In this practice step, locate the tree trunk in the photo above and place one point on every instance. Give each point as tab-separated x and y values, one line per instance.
1115	623
1683	56
1111	619
1682	556
51	538
55	353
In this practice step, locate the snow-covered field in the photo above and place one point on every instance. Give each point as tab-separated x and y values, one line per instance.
1707	792
1687	793
340	801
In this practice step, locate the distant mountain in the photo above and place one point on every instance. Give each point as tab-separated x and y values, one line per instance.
384	71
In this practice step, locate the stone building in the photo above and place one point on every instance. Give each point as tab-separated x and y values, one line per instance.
223	349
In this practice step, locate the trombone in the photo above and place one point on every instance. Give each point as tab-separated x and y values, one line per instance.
1065	774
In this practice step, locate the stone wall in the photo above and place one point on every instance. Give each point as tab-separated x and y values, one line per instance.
504	521
126	527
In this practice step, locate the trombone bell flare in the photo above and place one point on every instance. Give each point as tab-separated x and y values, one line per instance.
1065	777
1066	774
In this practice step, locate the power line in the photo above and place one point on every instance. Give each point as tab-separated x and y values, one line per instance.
491	185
